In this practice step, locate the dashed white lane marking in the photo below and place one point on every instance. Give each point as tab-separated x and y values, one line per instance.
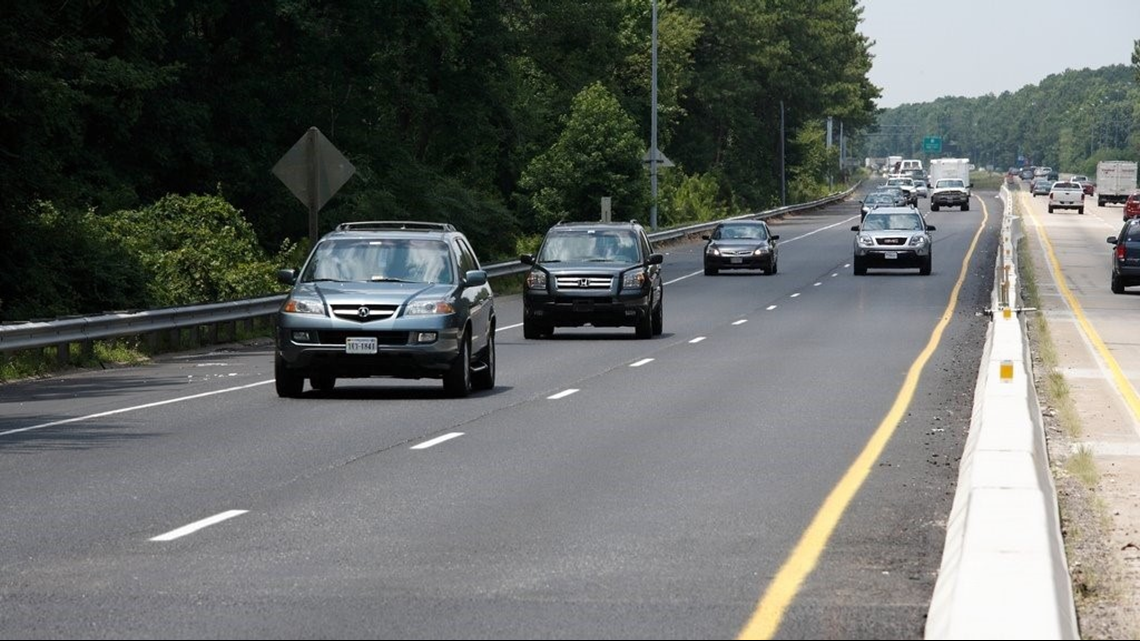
796	295
741	321
562	394
437	440
644	361
697	340
770	308
198	525
816	284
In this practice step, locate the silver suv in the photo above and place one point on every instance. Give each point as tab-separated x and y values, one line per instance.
893	238
389	298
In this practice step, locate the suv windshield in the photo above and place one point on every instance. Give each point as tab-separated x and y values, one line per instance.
904	222
378	260
589	245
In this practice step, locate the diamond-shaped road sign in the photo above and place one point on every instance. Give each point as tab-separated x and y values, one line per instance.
314	170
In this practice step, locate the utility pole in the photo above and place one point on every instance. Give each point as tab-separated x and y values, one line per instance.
653	129
783	191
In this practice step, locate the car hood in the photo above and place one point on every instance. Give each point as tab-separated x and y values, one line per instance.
372	293
740	243
600	267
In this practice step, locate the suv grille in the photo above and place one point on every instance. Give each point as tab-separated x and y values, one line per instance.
893	240
364	313
584	282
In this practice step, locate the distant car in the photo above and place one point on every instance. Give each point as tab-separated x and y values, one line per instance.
950	192
400	299
1041	186
893	238
741	244
921	188
1125	256
599	274
907	186
881	199
1132	206
1027	173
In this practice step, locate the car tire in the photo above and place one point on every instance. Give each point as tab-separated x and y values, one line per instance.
1117	284
533	330
860	266
323	383
927	262
644	327
289	384
457	380
659	318
1100	202
966	207
711	271
774	268
933	207
1050	210
483	378
1081	210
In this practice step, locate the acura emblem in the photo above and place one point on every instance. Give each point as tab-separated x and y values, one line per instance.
363	312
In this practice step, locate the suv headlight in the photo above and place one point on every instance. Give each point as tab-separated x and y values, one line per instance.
302	305
536	279
634	279
865	240
429	307
917	241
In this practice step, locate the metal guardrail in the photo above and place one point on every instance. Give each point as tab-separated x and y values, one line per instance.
86	329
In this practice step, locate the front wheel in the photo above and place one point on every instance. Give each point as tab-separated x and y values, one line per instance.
1117	284
644	327
1081	210
711	271
924	269
860	267
659	318
457	380
933	207
323	383
483	378
289	384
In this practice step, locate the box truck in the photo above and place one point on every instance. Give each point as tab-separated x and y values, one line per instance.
1115	180
950	168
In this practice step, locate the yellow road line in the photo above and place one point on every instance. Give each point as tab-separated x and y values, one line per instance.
1118	377
769	613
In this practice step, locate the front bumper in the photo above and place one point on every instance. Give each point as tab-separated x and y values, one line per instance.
749	261
577	310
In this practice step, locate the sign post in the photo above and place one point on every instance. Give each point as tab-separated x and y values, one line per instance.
932	144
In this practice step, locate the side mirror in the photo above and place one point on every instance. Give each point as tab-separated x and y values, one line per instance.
775	237
287	276
930	228
706	237
475	278
854	227
656	259
526	259
1112	240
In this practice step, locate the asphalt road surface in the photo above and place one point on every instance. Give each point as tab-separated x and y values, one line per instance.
608	487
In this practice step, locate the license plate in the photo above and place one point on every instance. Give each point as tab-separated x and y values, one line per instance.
360	345
583	306
735	261
890	255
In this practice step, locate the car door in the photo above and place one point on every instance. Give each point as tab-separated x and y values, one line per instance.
478	298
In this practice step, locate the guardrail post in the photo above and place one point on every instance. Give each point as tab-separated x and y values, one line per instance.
87	351
63	354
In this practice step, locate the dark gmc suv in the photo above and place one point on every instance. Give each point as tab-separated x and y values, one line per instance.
599	274
389	298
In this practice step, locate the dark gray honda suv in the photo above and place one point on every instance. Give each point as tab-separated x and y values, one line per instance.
390	298
599	274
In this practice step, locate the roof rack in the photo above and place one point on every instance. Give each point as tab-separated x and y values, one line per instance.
409	225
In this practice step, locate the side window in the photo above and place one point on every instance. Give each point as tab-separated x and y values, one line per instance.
1132	233
646	248
467	260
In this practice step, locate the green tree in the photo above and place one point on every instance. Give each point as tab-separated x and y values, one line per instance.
597	154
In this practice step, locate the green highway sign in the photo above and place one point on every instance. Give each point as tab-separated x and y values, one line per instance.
932	144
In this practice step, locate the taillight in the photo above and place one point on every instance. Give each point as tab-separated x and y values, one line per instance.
1120	251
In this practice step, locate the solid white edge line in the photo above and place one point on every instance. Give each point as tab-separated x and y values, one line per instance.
697	340
506	327
437	440
562	394
198	525
136	407
644	361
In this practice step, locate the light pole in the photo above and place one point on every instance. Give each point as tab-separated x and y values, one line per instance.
653	129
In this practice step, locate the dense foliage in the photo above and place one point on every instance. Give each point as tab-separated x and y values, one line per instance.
499	116
1069	121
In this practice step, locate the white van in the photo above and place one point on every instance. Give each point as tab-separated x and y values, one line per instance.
905	166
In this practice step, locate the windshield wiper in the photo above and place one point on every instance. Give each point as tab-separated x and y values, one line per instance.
386	279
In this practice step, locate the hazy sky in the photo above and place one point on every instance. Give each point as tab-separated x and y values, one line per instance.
926	49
